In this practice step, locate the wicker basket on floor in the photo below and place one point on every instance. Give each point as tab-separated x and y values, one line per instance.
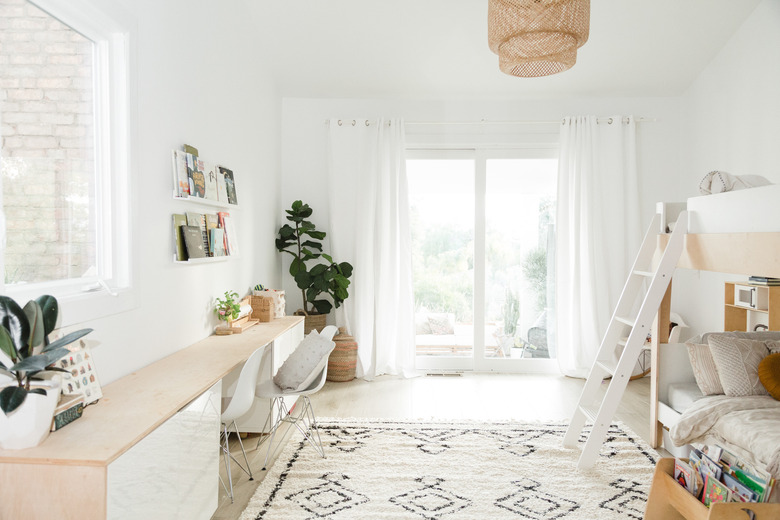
342	362
312	321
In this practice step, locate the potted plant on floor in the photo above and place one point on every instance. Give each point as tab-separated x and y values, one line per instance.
302	241
27	402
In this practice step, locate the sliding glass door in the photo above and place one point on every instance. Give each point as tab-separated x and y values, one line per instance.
483	258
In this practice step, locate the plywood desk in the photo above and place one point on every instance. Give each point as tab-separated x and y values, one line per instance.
67	475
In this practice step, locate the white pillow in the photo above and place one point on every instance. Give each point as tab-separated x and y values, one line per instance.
297	372
737	361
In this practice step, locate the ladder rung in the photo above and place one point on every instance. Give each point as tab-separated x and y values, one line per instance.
648	274
590	412
622	342
609	366
625	321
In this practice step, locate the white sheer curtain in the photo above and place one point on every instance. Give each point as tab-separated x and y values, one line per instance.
369	227
598	231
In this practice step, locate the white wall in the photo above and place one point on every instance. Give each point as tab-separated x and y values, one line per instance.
196	86
731	122
304	141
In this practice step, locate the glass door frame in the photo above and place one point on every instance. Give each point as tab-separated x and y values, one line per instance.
478	362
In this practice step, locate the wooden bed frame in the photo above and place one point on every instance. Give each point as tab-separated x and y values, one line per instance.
732	253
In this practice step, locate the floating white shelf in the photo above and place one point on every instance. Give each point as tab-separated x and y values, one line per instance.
207	260
205	202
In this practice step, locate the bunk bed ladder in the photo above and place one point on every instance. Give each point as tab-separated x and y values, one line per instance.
593	406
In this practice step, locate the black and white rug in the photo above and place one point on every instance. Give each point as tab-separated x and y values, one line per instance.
393	469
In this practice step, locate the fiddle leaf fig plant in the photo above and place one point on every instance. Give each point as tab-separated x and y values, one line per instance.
26	350
302	241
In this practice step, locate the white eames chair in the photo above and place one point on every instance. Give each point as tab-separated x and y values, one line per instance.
234	407
305	420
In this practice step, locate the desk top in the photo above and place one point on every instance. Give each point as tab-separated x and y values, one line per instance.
138	403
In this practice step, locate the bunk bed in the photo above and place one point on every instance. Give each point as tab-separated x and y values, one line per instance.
735	233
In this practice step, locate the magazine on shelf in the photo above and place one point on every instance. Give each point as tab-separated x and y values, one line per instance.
180	176
197	180
210	177
230	185
179	220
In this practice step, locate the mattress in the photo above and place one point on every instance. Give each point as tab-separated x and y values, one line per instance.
682	395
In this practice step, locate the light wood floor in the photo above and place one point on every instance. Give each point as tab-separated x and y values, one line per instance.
522	397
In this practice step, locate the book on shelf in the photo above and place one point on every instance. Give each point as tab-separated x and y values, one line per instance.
217	241
180	176
212	222
179	220
221	186
70	408
197	180
763	280
723	476
199	220
191	150
193	239
231	236
230	185
210	176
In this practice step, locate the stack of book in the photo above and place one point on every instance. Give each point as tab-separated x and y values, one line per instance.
763	280
713	474
199	235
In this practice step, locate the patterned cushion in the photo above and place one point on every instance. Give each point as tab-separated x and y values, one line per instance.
704	369
296	373
769	374
737	363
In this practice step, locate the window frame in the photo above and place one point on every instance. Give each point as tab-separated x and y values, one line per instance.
480	154
113	32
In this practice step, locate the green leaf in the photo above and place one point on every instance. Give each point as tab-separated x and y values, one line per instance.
51	310
303	280
318	235
67	340
31	364
312	294
341	281
35	318
7	345
286	231
322	306
11	398
13	318
346	269
318	269
327	257
297	205
340	294
297	266
312	245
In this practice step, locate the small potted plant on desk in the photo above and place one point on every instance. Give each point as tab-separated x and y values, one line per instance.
227	309
28	402
303	243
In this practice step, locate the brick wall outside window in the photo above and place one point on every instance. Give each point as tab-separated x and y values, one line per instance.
47	151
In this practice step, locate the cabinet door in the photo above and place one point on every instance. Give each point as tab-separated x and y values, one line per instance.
174	471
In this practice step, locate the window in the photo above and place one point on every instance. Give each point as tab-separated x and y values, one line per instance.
64	155
483	237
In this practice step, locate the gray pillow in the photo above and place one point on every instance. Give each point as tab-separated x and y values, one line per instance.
297	371
737	362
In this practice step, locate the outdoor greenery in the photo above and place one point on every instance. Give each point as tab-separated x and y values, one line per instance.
303	243
535	271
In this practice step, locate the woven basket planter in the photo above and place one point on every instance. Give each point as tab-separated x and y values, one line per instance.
312	321
342	362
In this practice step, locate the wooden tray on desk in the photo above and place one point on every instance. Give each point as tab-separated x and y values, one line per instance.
668	500
241	324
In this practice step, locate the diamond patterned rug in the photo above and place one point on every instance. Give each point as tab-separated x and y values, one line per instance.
394	469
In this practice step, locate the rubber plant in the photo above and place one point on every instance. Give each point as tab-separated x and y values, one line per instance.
313	277
24	339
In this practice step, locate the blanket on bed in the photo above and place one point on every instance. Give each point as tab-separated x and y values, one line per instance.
718	182
750	425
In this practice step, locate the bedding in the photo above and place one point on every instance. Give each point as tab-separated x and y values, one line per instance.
737	362
718	182
681	396
749	426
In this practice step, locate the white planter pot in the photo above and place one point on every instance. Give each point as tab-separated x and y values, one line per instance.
29	425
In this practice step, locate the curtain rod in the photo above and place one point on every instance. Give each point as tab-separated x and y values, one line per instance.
608	120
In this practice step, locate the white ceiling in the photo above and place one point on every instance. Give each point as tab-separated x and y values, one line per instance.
438	48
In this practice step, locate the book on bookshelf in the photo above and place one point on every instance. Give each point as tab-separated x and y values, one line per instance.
193	239
180	176
715	491
230	185
217	241
197	179
231	236
199	220
221	187
210	176
179	220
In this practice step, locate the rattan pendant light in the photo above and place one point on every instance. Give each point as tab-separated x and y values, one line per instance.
537	37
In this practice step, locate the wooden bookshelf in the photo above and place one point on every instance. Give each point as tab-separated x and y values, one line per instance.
737	317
